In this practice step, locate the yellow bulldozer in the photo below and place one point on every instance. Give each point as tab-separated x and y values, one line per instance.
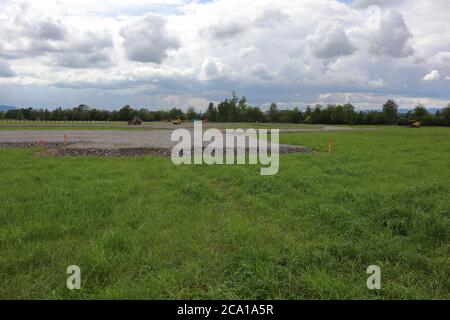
415	124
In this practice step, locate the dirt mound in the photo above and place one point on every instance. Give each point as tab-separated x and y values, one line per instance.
294	149
120	152
61	150
137	152
29	145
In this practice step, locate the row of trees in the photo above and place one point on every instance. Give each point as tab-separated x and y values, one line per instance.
237	109
85	113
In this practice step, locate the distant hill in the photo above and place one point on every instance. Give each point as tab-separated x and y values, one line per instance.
430	110
6	108
404	111
434	110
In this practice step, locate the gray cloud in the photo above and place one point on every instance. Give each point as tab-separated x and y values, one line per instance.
37	35
90	50
91	42
263	72
146	39
443	57
271	18
330	41
49	29
28	24
392	39
5	70
81	61
223	31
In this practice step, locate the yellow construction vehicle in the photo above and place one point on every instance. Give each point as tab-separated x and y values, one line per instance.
415	124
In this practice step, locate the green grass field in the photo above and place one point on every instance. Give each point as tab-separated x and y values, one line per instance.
144	228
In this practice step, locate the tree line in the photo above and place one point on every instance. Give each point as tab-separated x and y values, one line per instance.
236	109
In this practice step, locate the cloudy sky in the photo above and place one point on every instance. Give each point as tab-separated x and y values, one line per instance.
160	54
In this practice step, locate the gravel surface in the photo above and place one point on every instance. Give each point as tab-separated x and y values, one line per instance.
92	138
104	142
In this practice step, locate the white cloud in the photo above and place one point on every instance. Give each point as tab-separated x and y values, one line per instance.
432	76
215	69
146	39
249	52
374	100
271	18
380	83
330	41
363	4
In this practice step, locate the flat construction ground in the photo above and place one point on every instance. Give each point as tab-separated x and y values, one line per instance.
144	228
92	138
107	136
119	136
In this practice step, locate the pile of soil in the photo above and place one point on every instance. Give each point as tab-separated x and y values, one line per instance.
59	149
29	145
120	152
137	152
294	149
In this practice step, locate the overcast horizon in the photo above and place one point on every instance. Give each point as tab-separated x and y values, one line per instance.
177	53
